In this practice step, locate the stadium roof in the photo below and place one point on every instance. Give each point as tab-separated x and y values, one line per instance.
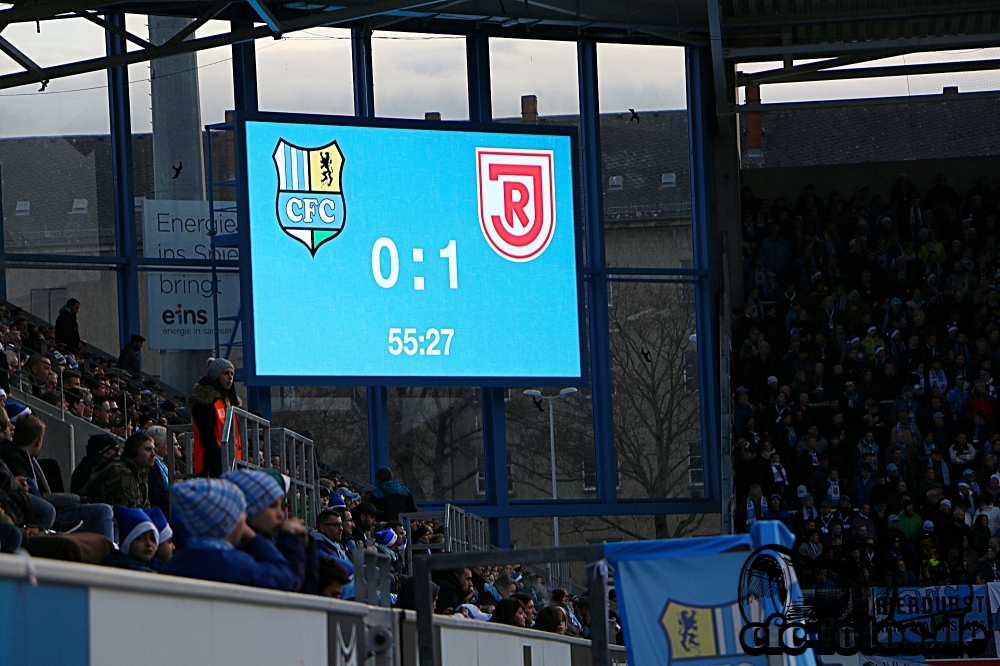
736	30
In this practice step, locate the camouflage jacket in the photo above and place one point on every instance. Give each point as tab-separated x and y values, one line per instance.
118	481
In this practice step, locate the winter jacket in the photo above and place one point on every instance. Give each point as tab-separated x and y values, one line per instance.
118	481
861	491
67	328
258	563
121	560
83	472
128	361
208	403
159	487
392	498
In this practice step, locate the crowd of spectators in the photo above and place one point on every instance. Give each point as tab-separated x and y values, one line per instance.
865	408
233	526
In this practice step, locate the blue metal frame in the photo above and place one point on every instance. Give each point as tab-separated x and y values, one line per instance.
364	107
477	57
600	340
245	99
700	117
123	192
252	378
3	241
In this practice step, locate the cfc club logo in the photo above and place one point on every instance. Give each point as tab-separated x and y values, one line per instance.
516	201
310	202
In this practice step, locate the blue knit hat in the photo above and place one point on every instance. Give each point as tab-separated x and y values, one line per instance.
163	529
259	488
132	524
386	537
16	410
208	507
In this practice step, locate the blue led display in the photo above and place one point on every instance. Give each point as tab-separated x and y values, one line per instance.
387	252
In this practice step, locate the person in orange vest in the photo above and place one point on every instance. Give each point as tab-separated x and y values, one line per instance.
208	402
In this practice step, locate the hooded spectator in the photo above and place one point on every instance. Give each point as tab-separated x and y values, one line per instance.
213	513
164	536
139	541
265	512
67	328
390	497
99	449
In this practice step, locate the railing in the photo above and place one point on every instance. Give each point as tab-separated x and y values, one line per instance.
463	532
372	577
249	442
185	437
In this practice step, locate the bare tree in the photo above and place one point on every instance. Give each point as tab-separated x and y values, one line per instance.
337	419
656	407
436	439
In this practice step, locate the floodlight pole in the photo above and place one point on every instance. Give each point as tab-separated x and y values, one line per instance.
552	463
550	399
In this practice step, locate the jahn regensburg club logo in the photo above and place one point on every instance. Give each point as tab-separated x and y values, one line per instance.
310	201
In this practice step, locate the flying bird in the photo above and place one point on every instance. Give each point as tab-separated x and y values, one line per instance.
635	117
45	84
177	170
538	404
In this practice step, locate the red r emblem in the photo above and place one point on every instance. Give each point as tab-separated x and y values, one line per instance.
516	201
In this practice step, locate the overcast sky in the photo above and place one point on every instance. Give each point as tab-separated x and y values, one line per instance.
310	72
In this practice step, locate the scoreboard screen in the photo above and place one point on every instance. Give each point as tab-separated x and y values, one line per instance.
408	253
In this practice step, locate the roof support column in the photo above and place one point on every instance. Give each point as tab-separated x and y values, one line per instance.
477	55
364	107
122	189
597	286
715	213
245	99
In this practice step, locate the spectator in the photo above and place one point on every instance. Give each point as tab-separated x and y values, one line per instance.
67	328
351	498
99	449
124	479
365	519
509	612
552	619
455	589
328	535
208	402
563	599
159	475
164	537
213	513
139	541
128	360
505	587
21	456
332	579
529	607
266	516
390	497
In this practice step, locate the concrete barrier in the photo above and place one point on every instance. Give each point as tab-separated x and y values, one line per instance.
82	615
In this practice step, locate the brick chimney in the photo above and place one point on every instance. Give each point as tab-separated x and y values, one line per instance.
754	131
529	109
432	115
950	90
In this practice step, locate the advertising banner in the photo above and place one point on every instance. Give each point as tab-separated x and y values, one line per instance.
179	305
